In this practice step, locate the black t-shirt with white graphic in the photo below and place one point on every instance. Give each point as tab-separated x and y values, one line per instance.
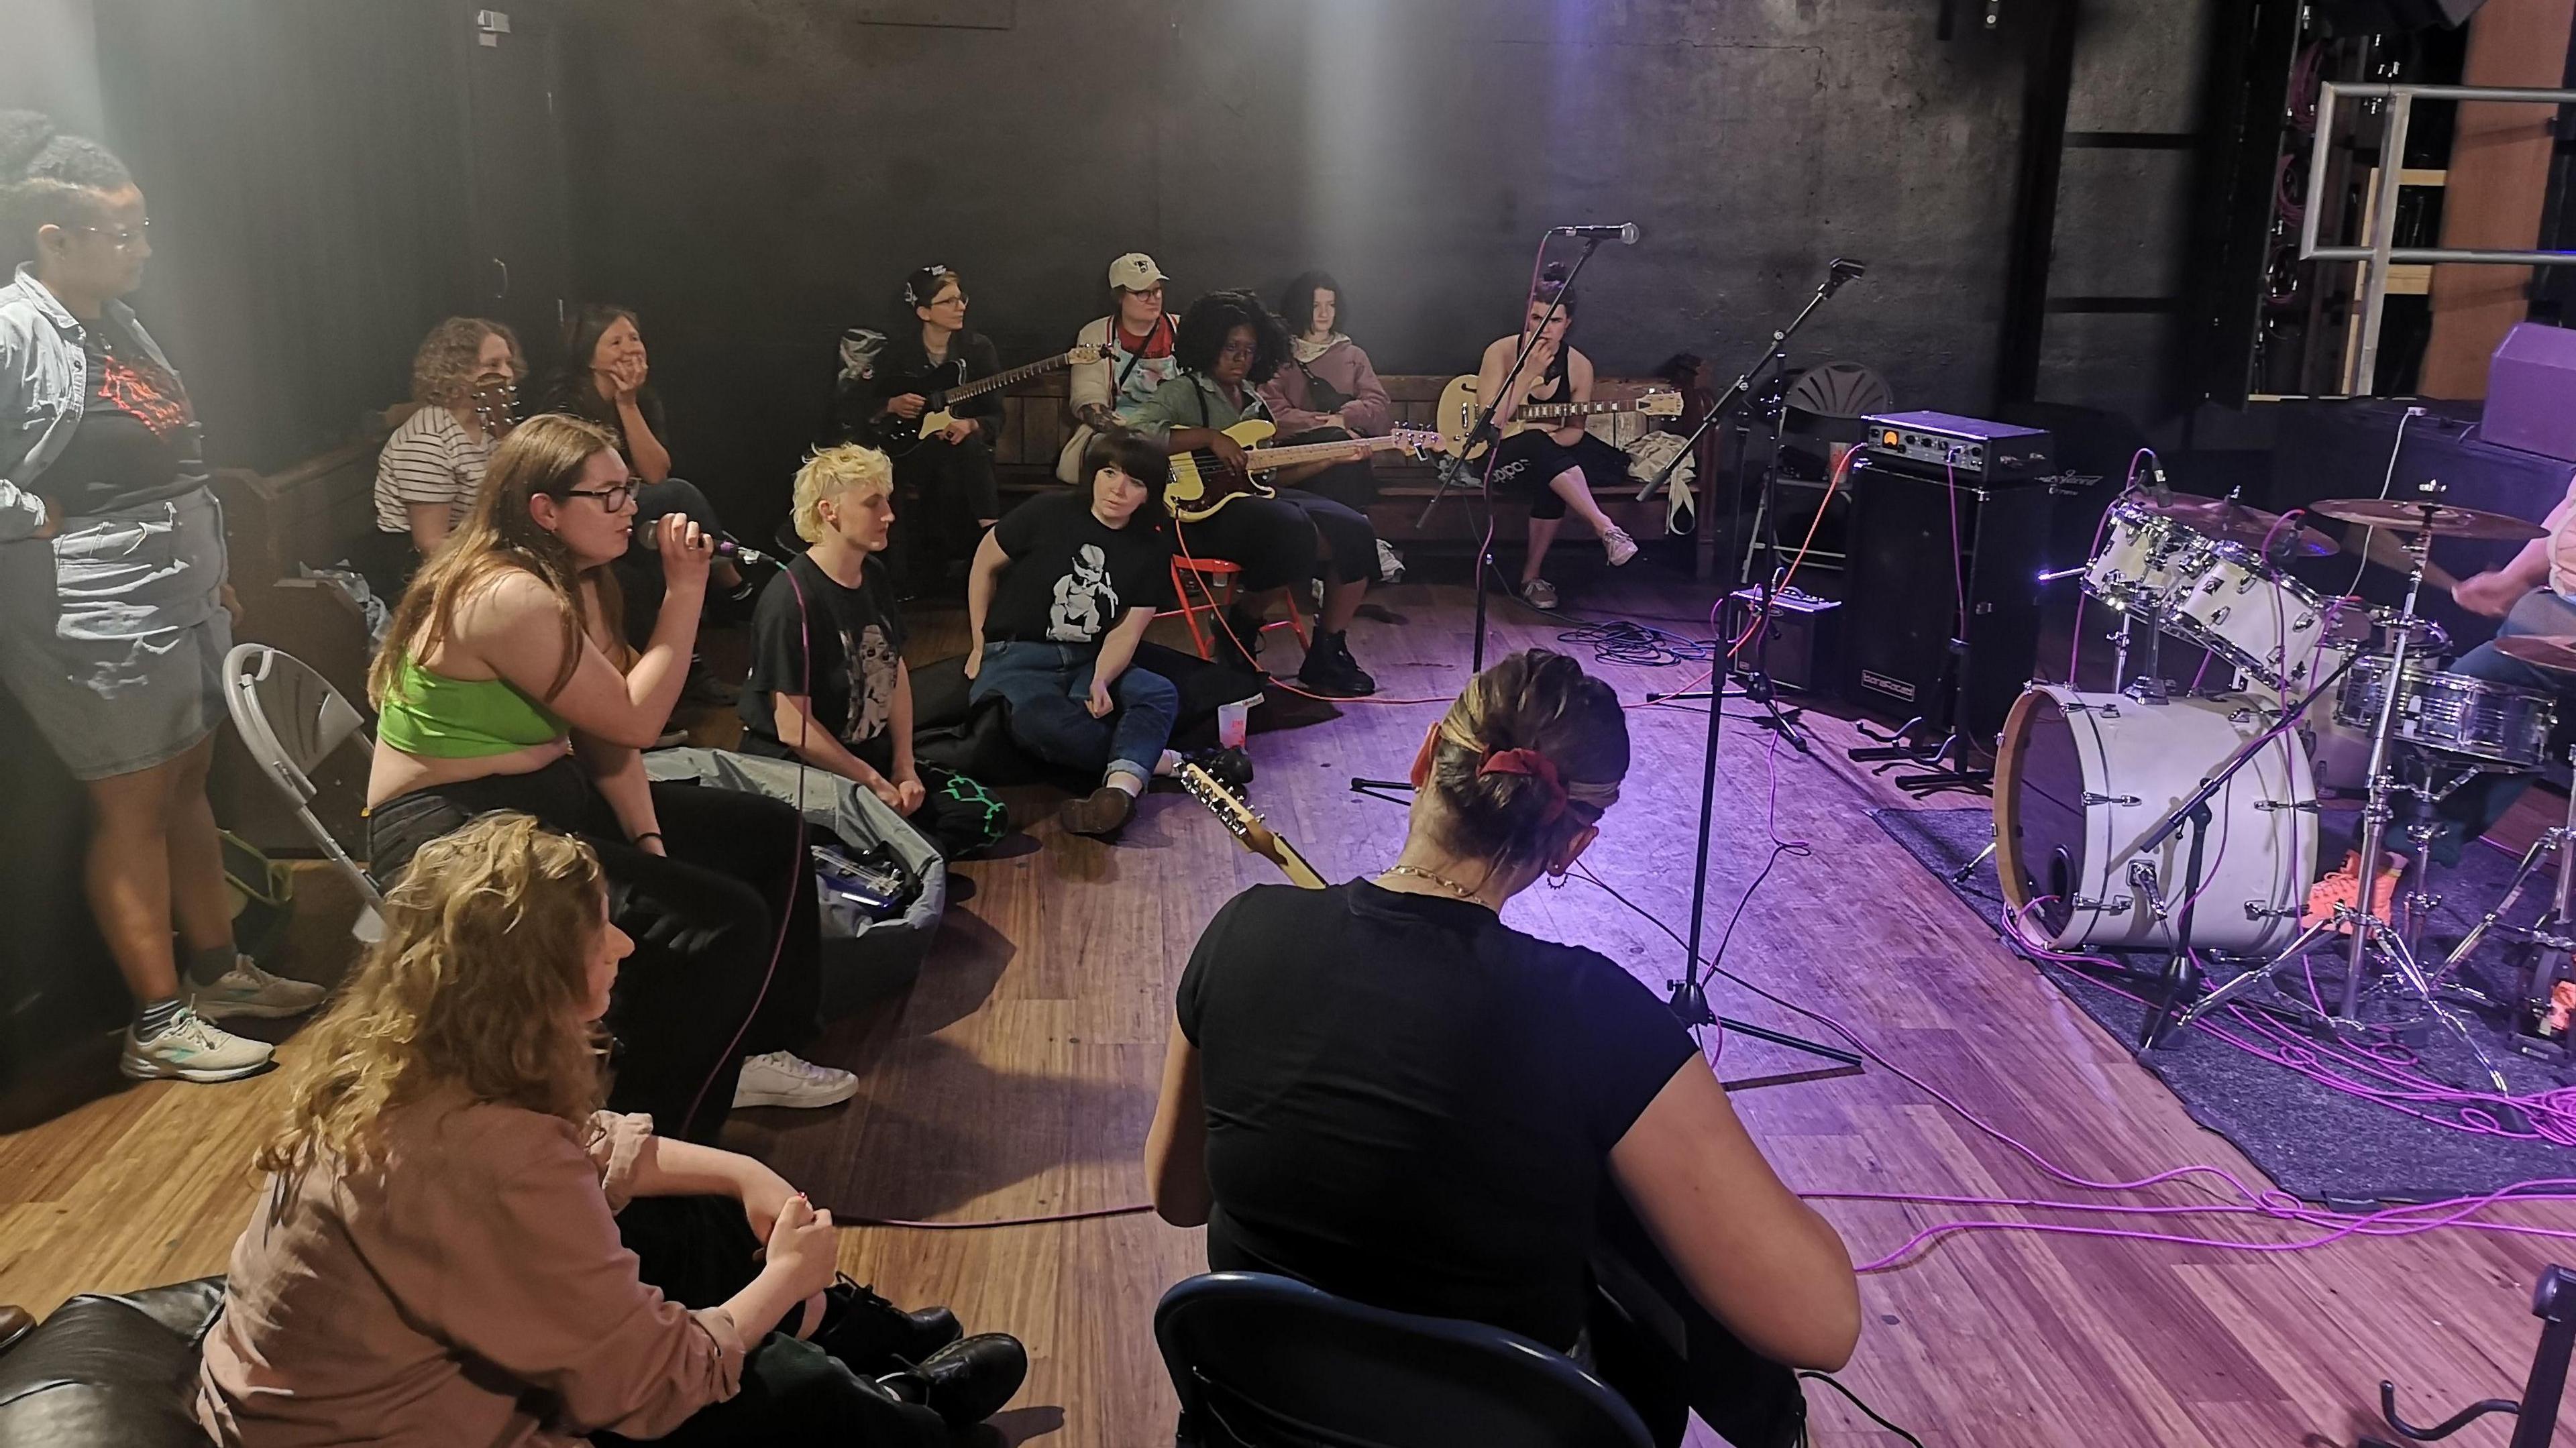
1072	576
841	648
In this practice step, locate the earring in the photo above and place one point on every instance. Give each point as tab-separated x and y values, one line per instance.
1556	879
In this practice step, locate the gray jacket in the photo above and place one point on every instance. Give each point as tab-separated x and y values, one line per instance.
44	383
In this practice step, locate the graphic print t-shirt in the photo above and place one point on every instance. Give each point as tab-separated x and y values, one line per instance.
137	439
842	648
1071	576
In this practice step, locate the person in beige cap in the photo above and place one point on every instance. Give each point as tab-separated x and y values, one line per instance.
1138	334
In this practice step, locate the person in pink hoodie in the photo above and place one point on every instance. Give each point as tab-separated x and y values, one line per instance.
1328	391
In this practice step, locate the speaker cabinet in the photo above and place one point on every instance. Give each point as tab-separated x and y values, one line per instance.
1907	580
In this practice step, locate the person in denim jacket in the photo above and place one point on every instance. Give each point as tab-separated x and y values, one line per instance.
114	611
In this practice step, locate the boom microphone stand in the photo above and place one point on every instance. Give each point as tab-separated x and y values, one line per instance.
1690	993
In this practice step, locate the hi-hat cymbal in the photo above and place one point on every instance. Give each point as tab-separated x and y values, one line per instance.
2230	521
2439	519
2557	653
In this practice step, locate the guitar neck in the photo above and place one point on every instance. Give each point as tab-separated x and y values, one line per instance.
1000	380
1540	411
1267	459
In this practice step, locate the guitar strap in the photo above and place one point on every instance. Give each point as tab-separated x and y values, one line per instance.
1135	358
1321	396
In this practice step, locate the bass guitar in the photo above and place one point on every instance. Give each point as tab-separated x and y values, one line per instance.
1201	483
1245	823
1457	414
897	436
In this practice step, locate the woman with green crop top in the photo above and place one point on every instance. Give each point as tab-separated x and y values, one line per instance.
505	683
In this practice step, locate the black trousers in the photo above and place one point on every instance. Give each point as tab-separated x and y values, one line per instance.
1353	485
957	491
639	573
698	1250
1275	539
700	992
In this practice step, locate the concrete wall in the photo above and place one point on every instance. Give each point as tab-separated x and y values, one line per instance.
758	174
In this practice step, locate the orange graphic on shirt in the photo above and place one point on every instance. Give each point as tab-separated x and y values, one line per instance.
148	393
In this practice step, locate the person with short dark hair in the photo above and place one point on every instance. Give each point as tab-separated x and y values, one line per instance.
1327	390
1552	467
828	682
117	612
1060	594
1228	346
950	472
1384	1090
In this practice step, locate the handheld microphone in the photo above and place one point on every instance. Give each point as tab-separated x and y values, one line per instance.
1625	233
727	548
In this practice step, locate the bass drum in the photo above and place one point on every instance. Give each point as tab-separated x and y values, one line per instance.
2079	780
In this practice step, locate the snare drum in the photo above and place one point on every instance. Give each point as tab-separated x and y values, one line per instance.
2080	778
2266	623
2454	713
2135	566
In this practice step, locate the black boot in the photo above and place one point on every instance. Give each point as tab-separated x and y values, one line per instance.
871	1335
964	1382
1331	671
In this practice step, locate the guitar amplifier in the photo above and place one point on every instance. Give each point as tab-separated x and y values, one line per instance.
1802	649
1922	553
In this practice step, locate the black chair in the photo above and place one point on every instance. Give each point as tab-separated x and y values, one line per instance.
110	1371
1266	1362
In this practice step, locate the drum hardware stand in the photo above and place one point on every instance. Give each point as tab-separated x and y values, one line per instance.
2370	933
2550	933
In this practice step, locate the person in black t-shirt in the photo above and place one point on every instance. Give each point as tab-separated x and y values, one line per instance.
1382	1089
828	682
950	471
1060	594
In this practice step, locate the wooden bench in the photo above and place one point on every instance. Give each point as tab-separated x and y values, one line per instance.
1034	427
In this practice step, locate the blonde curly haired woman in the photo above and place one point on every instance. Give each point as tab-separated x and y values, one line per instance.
465	378
455	1246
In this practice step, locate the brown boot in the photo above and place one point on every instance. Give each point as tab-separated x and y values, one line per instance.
1100	812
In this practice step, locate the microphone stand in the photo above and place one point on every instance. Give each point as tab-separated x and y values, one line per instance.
1484	431
1690	993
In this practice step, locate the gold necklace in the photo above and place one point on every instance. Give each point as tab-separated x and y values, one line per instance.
1443	881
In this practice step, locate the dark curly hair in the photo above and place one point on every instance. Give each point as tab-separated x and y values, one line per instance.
49	179
1297	304
1212	318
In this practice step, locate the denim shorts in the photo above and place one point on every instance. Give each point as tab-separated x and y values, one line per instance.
117	650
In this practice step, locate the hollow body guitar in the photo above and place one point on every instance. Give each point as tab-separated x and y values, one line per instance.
1457	414
1661	1328
1201	483
898	436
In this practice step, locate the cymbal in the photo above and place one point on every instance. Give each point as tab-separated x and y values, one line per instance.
2230	521
2544	653
2438	519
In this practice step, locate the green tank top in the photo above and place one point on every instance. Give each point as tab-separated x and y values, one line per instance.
435	717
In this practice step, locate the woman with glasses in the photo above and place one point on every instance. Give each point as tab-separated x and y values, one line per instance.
505	683
951	469
115	615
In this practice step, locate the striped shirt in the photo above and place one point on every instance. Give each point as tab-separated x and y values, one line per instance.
429	459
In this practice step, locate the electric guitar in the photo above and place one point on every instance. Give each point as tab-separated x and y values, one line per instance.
898	436
1201	483
1457	413
1244	822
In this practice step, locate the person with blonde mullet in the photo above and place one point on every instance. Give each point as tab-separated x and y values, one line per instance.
1382	1089
504	683
455	1245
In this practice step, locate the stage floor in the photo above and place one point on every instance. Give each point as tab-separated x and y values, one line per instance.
1018	1078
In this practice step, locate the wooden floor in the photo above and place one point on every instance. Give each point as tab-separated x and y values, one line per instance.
1018	1079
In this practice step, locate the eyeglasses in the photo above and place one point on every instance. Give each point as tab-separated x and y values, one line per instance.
1243	350
611	500
959	299
122	237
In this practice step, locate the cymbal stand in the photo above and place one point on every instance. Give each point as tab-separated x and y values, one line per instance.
2551	932
2372	937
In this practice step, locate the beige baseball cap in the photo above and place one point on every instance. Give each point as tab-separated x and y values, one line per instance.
1135	272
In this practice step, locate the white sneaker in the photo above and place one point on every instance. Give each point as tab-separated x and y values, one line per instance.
247	990
1619	546
191	1049
783	1078
1390	564
1540	594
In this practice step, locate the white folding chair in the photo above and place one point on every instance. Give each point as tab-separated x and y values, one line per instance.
291	719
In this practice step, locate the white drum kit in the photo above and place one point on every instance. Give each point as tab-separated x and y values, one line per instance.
2184	821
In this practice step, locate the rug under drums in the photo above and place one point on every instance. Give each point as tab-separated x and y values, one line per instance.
2317	1143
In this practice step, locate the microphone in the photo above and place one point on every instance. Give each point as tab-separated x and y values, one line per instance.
1625	233
726	547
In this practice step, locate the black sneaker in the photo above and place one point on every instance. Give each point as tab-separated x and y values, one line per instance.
1331	671
964	1382
872	1336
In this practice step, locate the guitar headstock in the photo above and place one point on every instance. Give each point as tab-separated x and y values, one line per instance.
1240	819
1083	354
1662	402
495	400
1416	440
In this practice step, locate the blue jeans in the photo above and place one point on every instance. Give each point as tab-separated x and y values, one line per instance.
1047	686
2477	805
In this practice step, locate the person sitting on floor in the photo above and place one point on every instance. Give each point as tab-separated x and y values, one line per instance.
1061	593
1229	345
505	683
828	683
1382	1089
455	1245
